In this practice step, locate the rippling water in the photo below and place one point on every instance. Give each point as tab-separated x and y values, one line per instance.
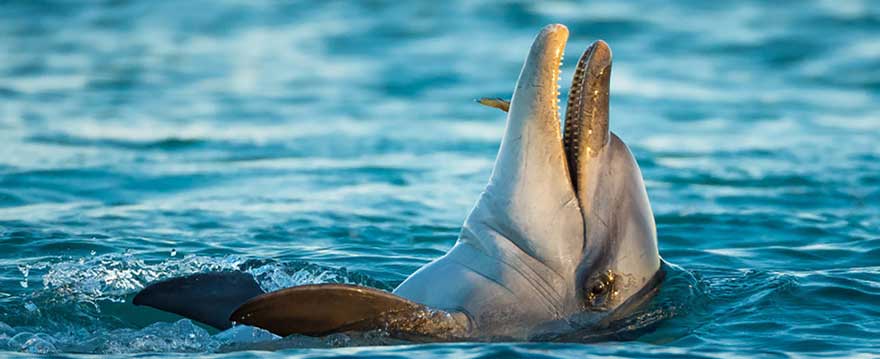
338	142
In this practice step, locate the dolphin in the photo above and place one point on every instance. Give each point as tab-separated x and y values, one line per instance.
561	240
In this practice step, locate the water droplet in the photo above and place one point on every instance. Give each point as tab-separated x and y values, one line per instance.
30	306
24	269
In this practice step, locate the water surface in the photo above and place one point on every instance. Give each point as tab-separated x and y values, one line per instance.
338	142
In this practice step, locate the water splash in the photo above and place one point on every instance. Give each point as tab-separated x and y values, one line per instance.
76	310
112	277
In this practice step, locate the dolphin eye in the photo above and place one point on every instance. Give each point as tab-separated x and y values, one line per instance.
598	294
598	289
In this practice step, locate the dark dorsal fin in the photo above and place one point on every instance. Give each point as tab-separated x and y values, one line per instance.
205	297
323	309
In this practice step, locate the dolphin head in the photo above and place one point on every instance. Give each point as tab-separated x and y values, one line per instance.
563	235
573	201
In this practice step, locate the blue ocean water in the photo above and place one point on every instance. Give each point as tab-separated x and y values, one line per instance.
312	142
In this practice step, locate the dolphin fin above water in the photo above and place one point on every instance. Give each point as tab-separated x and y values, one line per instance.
204	297
321	309
221	299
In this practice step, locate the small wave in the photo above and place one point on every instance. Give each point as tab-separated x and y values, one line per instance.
167	143
78	307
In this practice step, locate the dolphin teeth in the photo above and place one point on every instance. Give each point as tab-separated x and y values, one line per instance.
572	127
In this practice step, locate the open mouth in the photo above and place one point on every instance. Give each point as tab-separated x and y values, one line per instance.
586	115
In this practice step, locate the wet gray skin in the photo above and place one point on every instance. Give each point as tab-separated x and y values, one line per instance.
560	242
563	237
